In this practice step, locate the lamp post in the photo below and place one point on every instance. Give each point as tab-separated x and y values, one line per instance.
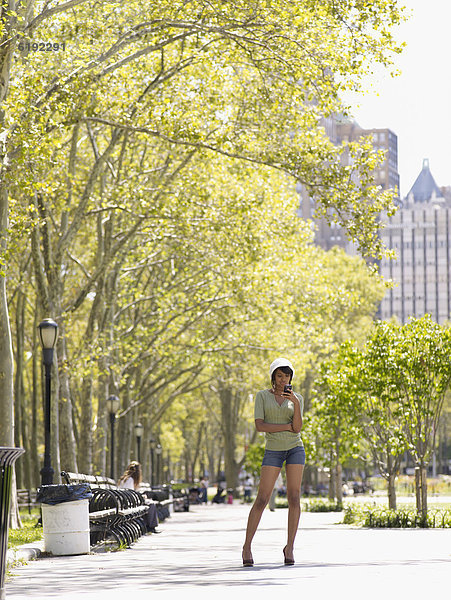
158	451
113	406
152	461
48	332
139	430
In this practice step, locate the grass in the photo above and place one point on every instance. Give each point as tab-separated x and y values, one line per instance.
30	532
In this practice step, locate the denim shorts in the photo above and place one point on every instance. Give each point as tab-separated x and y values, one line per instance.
276	458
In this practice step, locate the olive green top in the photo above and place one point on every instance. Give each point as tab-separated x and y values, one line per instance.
268	409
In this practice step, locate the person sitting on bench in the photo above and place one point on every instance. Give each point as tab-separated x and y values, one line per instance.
130	480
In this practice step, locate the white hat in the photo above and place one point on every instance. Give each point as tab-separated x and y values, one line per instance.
280	362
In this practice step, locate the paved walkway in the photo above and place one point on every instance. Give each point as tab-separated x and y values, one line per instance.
198	555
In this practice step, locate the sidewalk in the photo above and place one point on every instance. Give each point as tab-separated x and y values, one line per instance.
198	554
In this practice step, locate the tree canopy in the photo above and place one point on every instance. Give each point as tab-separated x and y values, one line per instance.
149	162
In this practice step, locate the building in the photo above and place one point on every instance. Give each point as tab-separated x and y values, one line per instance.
420	233
343	130
387	175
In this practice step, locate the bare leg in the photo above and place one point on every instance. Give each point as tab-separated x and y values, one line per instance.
268	478
294	480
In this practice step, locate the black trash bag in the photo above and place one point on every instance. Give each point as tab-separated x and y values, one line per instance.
57	494
160	493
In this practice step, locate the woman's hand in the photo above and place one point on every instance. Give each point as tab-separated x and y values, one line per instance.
291	396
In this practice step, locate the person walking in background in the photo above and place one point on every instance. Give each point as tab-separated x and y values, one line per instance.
131	480
203	490
278	413
247	488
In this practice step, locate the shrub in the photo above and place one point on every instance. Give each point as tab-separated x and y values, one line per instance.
320	505
366	516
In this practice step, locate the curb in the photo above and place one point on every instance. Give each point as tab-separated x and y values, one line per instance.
25	553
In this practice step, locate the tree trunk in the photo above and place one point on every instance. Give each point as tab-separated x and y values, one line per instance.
418	488
85	441
197	450
210	446
229	422
339	483
6	352
332	477
102	427
66	428
421	488
19	416
424	490
6	359
391	491
421	491
391	470
35	407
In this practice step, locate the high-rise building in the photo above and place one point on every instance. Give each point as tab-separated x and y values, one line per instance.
387	176
420	233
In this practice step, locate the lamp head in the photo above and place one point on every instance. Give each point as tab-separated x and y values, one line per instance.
114	404
48	332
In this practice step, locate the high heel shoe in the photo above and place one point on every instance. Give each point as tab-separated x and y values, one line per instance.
287	561
248	562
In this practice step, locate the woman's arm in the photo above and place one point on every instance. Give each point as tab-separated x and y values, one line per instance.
263	426
296	423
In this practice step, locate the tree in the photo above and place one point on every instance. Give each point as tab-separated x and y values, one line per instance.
336	414
86	138
398	382
382	412
421	376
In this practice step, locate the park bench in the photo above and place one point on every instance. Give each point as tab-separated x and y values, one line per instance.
165	497
115	515
26	499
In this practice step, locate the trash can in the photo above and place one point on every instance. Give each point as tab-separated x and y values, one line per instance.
65	518
8	457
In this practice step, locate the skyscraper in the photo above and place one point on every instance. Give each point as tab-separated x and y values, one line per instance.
341	130
420	233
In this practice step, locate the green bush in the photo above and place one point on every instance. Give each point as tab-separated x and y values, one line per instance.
366	516
313	505
320	505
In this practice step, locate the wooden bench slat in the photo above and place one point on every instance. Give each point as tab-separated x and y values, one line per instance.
100	514
135	510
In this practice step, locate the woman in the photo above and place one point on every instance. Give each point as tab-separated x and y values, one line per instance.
132	477
278	413
130	480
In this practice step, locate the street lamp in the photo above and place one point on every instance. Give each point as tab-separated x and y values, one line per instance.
114	404
158	451
48	332
139	430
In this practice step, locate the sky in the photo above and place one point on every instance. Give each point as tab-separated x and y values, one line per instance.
416	105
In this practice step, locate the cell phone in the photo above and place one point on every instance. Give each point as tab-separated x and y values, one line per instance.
287	388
